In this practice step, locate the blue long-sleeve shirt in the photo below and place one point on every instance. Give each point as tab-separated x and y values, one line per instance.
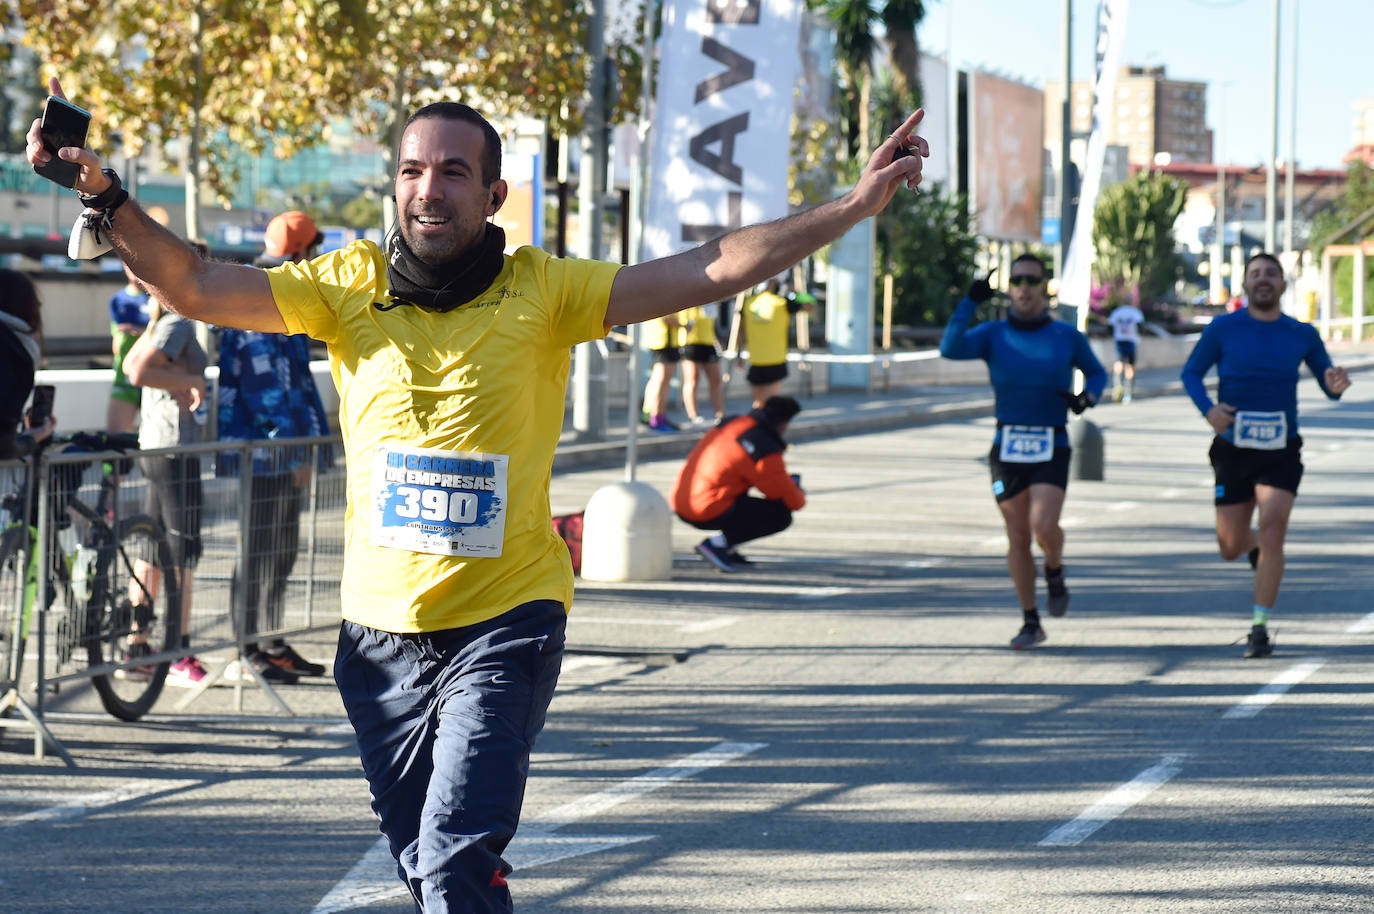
1257	365
1028	368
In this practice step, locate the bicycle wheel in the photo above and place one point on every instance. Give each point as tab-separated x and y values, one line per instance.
18	588
135	610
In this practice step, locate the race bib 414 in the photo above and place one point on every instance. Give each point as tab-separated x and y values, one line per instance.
439	502
1027	444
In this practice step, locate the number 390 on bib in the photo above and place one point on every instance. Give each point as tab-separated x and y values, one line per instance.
439	502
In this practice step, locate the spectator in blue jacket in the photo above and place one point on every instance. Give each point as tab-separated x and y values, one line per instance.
266	391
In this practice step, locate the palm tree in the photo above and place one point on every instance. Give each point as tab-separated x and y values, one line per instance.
856	40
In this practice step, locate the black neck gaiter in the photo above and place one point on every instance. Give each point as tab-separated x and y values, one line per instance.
1017	323
443	287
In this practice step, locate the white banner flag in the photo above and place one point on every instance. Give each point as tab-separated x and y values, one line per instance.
1075	285
722	120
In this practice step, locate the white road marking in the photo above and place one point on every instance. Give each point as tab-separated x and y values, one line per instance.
710	625
820	593
596	803
729	582
1271	693
74	807
1362	627
932	562
1117	801
681	624
1171	493
583	661
1113	804
1123	506
373	878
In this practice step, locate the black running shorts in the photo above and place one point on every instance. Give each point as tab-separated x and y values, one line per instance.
703	353
766	374
670	356
1011	479
1239	469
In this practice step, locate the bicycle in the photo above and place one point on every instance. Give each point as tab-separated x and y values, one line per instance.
119	587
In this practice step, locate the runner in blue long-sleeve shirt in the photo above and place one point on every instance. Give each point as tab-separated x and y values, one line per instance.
1031	359
1257	452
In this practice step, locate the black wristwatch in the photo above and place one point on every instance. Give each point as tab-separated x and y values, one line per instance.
109	199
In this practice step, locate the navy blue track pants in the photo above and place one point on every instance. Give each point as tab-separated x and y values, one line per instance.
445	722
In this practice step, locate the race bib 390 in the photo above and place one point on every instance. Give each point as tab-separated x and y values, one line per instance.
439	502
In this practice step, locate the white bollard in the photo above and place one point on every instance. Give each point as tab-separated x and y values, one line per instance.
627	534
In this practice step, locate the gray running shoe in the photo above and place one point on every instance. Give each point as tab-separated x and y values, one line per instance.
1029	636
1058	601
716	556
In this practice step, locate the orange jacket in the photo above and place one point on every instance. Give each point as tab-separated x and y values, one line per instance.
743	453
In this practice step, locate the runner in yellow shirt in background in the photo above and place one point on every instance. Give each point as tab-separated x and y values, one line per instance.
766	318
701	356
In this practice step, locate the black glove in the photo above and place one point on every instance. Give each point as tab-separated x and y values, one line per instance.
980	292
1078	402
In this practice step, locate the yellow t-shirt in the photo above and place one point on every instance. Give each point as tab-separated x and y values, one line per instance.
702	325
449	423
765	329
657	334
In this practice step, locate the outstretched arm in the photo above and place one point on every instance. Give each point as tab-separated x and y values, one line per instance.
230	295
747	256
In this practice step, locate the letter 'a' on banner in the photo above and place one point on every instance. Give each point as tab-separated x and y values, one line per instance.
1076	283
722	119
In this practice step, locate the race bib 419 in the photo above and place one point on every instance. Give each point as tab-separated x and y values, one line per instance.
1265	431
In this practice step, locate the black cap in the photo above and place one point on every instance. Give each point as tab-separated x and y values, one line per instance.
780	409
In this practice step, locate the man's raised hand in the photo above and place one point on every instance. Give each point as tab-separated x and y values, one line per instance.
898	161
90	181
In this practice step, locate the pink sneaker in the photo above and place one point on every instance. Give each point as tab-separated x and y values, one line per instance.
186	672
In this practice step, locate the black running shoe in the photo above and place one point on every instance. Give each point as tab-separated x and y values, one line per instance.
1029	636
1253	556
735	558
284	658
270	668
1258	642
1058	601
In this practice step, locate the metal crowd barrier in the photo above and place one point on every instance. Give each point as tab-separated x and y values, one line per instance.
218	609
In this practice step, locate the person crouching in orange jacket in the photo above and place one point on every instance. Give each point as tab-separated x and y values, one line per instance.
712	489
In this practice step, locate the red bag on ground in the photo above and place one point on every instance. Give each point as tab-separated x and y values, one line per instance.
569	528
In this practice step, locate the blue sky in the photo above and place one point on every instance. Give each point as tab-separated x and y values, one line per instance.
1214	41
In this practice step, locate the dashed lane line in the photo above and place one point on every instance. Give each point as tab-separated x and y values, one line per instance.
1272	692
1362	626
1122	798
1113	804
66	806
373	878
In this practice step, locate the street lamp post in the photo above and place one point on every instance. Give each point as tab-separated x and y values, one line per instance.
1271	185
1066	127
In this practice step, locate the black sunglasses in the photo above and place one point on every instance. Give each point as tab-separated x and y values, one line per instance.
1025	280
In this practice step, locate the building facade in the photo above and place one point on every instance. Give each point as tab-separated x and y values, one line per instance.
1157	119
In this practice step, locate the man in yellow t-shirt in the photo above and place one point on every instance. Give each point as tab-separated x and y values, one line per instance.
451	360
766	317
